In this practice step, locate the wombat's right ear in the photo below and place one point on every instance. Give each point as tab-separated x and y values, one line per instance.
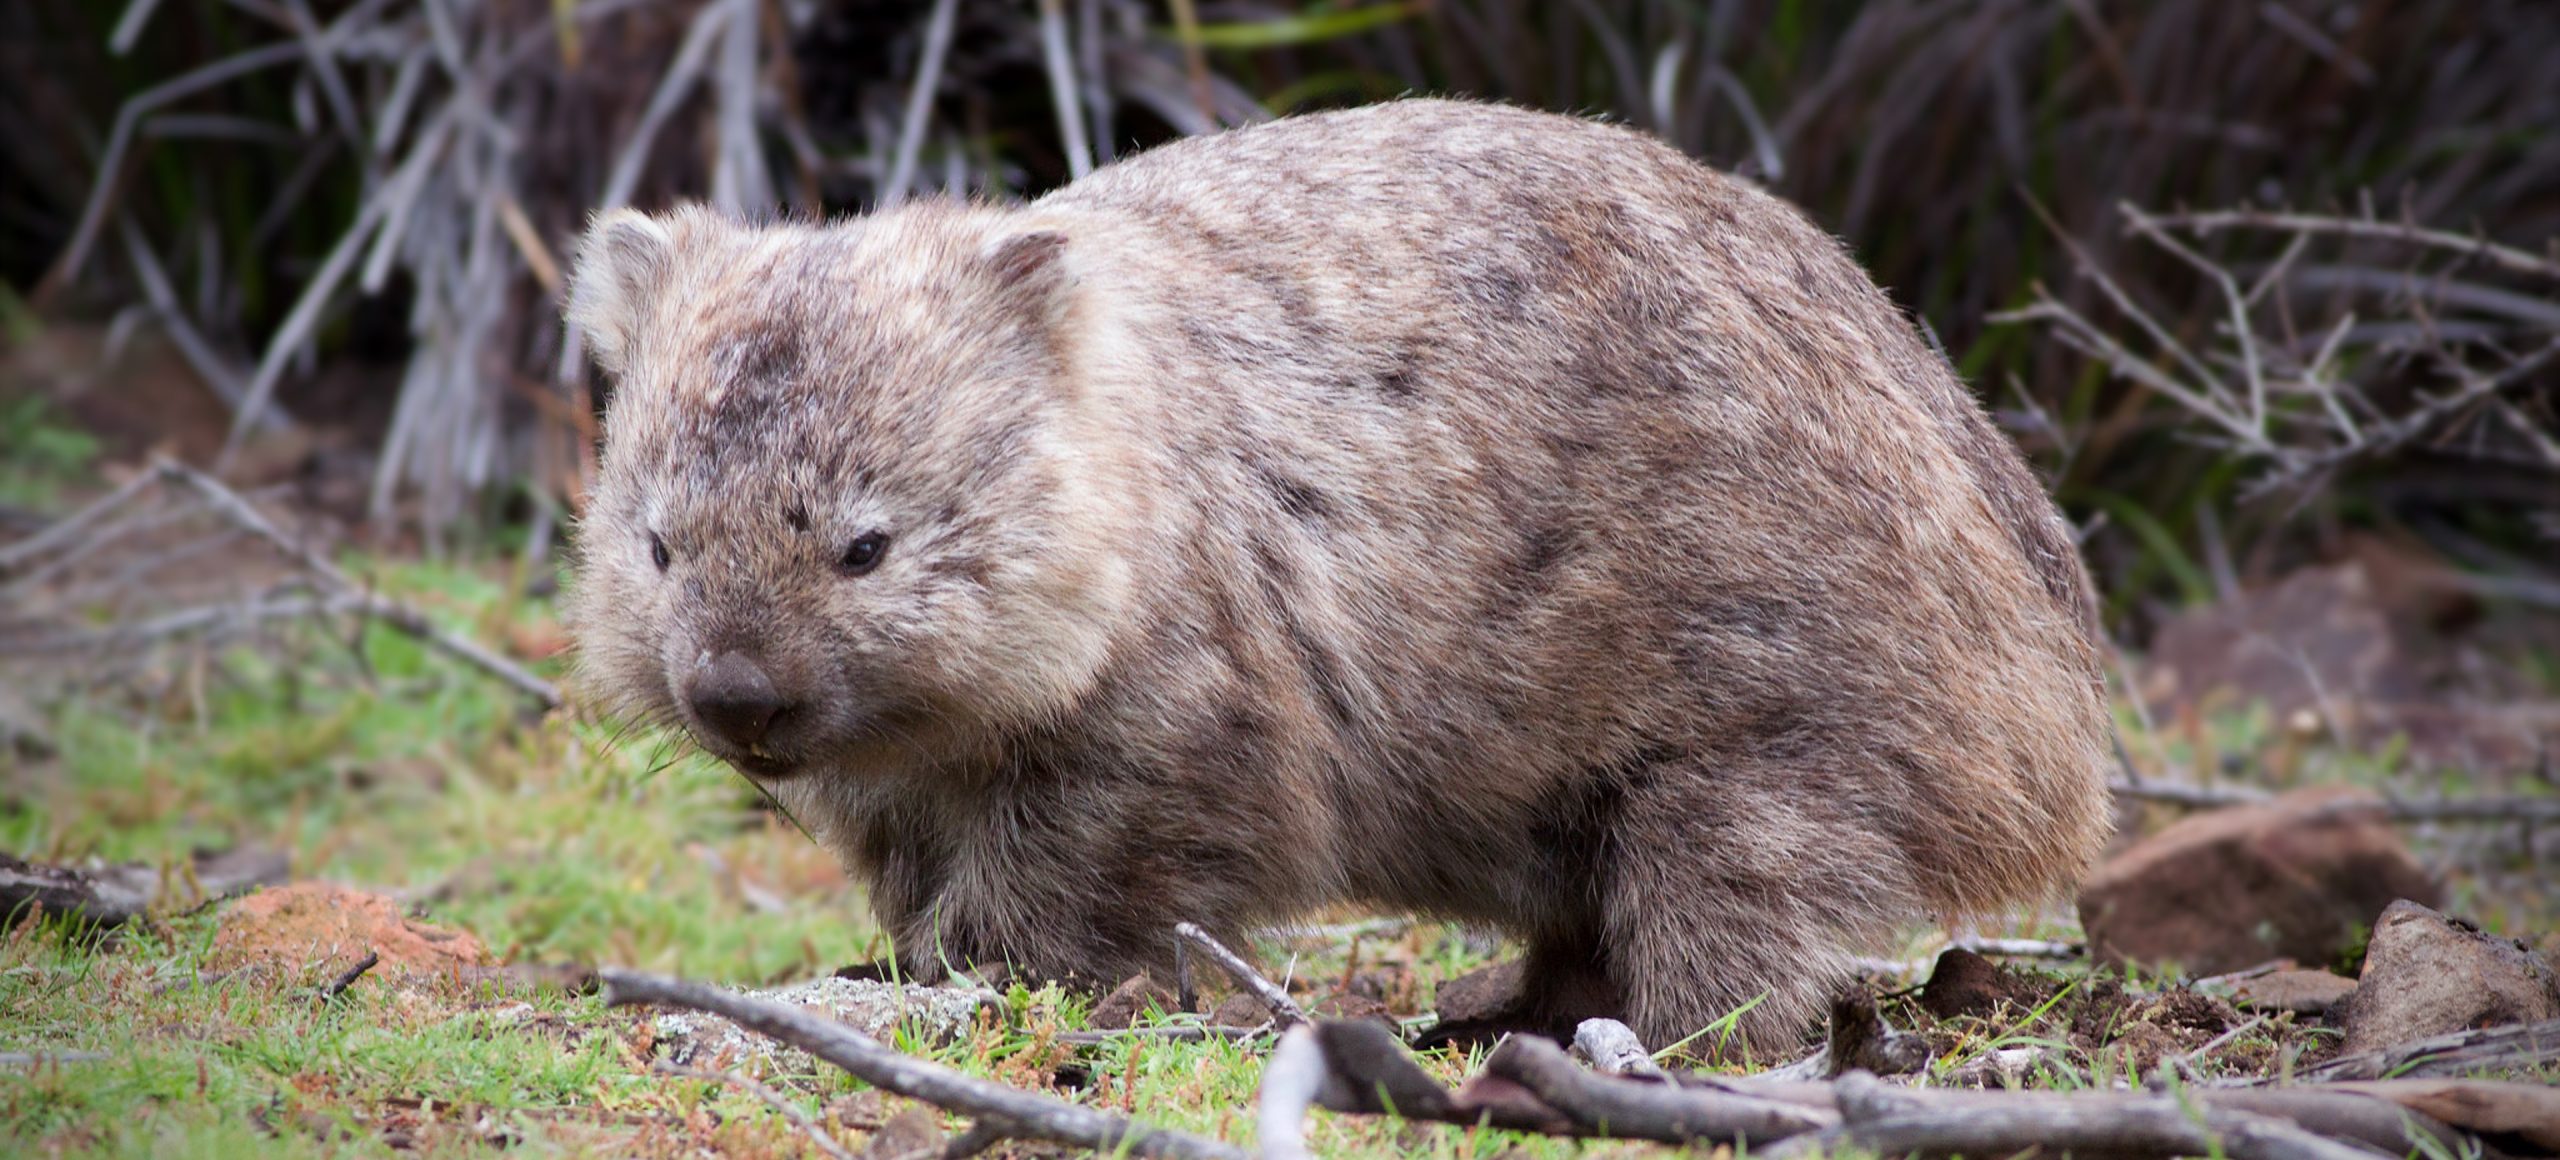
624	260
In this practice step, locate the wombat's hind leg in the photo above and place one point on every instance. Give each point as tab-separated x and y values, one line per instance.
1720	900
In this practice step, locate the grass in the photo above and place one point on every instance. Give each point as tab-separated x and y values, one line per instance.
553	840
560	840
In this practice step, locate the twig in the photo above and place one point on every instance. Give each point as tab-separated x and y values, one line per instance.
1177	1033
2481	809
911	127
2517	1045
772	1099
2217	1043
61	531
1063	88
392	612
1018	1114
1291	1081
2504	257
1880	1118
1285	1012
1632	1109
347	978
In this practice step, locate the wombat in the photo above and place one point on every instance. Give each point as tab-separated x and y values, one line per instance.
1440	507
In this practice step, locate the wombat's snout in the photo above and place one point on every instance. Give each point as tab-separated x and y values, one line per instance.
735	701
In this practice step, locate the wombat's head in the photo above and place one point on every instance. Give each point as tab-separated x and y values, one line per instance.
846	515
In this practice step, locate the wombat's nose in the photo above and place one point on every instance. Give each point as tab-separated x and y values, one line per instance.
733	698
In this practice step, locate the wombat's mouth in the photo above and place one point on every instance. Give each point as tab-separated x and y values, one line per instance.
762	765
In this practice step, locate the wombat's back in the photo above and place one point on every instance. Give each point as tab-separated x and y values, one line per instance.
1603	504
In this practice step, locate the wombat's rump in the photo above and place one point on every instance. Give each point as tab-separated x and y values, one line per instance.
1441	507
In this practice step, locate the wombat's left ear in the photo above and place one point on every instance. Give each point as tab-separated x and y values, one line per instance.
1031	266
624	260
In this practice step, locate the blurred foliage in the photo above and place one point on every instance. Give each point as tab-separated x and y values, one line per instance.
1962	147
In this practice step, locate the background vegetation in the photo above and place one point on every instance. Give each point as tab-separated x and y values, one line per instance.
352	215
316	244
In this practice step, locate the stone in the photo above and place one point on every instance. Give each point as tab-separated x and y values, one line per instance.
2302	992
913	1132
936	1015
1240	1010
1965	983
2297	877
1130	1002
1484	994
1345	1005
2428	974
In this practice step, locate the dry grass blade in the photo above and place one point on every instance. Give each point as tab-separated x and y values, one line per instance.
781	1106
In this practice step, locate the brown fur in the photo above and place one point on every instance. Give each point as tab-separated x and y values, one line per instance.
1441	507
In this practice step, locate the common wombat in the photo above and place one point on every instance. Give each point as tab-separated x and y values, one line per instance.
1440	507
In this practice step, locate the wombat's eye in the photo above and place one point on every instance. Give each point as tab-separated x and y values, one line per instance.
863	554
658	551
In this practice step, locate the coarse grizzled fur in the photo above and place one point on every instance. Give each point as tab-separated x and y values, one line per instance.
1435	506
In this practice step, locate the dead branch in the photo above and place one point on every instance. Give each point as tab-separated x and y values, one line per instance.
2503	257
1880	1118
2481	809
114	895
2514	1046
1285	1012
1292	1080
771	1098
60	890
408	621
1013	1112
1178	1033
1635	1109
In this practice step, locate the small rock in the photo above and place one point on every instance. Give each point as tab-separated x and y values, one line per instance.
1487	993
322	928
2426	974
2294	878
1345	1005
1240	1010
1965	983
2299	991
911	1133
1127	1003
874	1008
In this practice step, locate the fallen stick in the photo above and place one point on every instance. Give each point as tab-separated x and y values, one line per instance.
338	986
1636	1109
1877	1117
391	612
1285	1012
1292	1080
2481	809
2516	1046
1178	1033
1011	1111
772	1099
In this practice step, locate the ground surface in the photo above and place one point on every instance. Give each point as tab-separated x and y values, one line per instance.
552	840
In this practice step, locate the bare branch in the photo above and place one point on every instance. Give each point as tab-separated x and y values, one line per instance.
1880	1118
1017	1113
2504	257
1285	1012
